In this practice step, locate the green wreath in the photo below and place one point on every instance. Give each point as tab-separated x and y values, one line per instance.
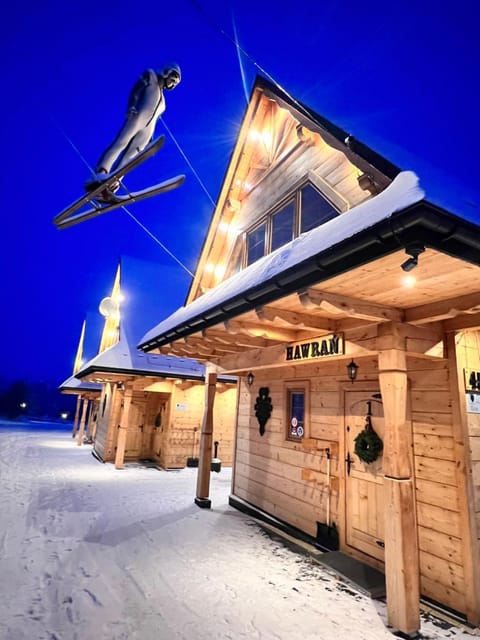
368	445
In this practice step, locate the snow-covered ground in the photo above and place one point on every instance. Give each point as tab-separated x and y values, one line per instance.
88	552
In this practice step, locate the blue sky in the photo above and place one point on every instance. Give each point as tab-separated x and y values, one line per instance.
401	77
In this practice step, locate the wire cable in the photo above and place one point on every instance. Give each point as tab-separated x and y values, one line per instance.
184	156
154	237
142	226
239	48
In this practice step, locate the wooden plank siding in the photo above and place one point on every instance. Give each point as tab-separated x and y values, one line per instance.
179	409
285	478
439	529
468	354
107	422
288	479
179	438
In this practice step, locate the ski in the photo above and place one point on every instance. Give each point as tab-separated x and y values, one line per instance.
120	201
91	196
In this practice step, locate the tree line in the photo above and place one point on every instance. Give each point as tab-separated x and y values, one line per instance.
21	398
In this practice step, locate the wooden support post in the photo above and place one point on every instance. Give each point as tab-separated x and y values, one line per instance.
77	415
82	423
206	437
95	418
402	572
122	430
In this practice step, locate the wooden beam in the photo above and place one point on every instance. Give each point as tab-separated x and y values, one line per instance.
402	573
82	423
444	309
275	356
239	339
269	332
295	319
213	345
77	415
345	306
122	429
471	321
206	437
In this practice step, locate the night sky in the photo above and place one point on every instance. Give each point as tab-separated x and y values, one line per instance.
401	77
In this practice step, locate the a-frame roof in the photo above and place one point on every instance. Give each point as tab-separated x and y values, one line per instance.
358	253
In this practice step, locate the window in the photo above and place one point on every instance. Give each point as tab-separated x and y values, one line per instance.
315	209
307	208
283	226
256	244
297	397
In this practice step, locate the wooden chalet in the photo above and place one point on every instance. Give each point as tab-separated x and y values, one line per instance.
137	407
151	408
87	394
348	302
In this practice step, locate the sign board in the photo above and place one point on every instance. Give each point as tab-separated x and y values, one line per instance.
473	402
330	345
181	406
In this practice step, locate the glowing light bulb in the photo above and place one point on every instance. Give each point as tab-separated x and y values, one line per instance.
409	281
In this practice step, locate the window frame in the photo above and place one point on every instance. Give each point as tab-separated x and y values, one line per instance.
291	387
294	196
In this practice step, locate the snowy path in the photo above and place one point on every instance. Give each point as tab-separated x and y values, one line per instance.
88	552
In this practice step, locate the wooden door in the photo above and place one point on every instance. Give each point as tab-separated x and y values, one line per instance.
133	447
363	482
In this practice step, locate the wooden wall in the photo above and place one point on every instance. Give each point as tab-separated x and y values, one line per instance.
438	511
287	479
335	176
177	438
107	422
284	478
468	354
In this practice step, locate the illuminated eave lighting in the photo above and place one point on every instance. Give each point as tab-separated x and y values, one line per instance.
409	281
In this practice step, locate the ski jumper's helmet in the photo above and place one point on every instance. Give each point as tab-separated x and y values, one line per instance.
171	75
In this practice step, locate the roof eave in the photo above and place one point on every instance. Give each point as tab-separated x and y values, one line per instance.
421	223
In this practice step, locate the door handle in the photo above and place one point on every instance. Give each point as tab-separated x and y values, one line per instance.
349	461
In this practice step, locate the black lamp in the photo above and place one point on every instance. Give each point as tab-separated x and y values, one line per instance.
352	369
250	379
414	250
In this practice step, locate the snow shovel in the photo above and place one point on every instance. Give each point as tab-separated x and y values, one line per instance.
327	534
193	462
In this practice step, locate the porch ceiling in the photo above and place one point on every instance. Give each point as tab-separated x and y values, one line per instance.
446	291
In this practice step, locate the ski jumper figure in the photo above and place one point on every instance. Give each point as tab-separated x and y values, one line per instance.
146	103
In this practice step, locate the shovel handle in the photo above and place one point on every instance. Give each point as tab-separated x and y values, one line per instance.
327	453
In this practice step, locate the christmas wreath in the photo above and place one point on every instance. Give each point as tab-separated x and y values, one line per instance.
368	445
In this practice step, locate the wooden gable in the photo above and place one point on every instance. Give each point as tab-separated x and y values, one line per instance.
281	147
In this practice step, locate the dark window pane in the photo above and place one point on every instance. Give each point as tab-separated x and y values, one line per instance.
256	244
296	426
315	209
282	226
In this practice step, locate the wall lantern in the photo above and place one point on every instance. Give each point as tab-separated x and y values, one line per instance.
352	369
250	379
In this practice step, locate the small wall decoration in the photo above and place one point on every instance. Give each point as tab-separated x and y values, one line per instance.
263	408
368	444
158	420
472	380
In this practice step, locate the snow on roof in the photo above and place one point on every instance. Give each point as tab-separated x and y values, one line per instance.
123	358
403	192
74	384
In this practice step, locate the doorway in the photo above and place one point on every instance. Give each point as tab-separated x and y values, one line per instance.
364	513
